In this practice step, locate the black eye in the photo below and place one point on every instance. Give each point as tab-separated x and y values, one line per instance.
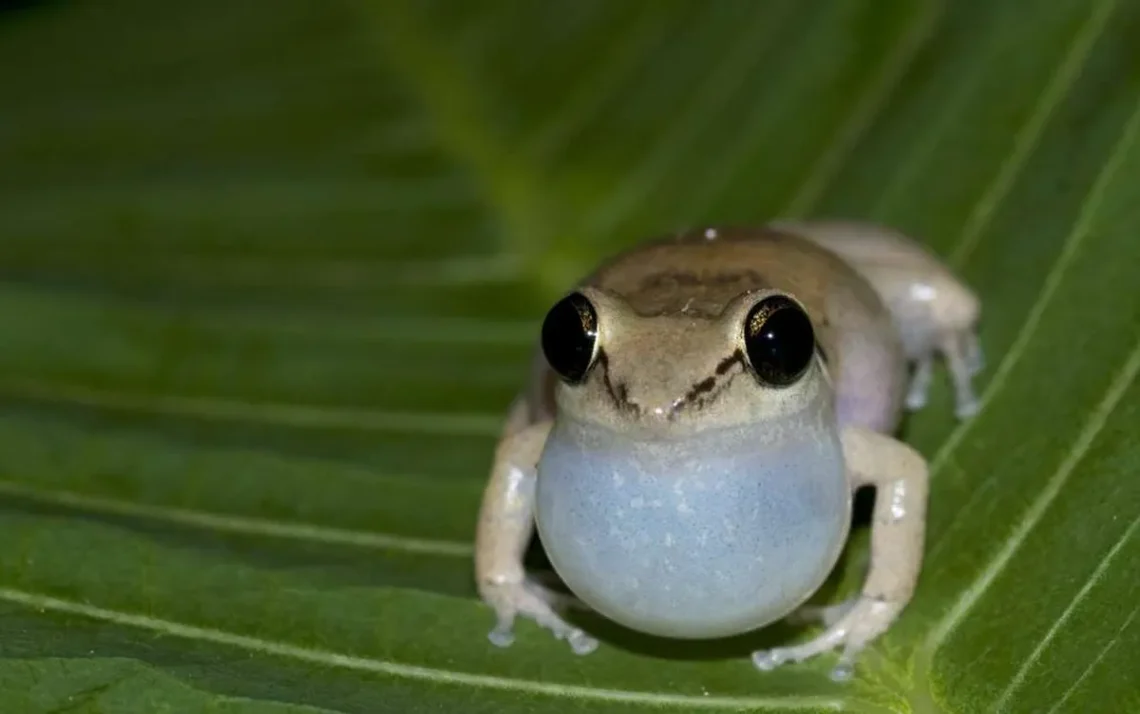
779	340
569	334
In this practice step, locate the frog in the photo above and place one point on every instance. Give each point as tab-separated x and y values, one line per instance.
700	411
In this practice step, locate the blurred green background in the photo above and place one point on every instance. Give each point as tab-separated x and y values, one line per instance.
270	272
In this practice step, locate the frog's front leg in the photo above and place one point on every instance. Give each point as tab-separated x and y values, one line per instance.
899	475
506	524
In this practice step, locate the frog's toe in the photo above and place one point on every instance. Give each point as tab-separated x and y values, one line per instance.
968	407
975	357
581	643
963	355
832	637
915	399
537	603
919	383
843	671
504	633
768	660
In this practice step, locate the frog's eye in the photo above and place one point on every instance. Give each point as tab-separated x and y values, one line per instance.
570	337
779	340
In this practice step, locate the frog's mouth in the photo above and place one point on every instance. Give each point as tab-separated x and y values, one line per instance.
707	536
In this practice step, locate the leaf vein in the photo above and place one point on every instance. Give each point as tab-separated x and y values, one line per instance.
1095	662
310	272
1030	133
722	82
275	413
903	177
467	122
375	329
331	658
1081	228
867	108
238	524
1019	677
1049	491
619	63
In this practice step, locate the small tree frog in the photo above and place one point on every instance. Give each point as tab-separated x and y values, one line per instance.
700	412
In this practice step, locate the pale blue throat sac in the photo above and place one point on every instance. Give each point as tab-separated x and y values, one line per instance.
709	536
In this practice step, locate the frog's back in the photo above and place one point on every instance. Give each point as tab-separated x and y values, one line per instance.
698	273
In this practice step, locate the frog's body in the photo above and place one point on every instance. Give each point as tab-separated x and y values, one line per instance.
680	492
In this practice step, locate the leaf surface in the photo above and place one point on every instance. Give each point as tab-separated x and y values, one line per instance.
270	279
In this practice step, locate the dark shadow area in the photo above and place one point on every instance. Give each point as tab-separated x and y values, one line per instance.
20	6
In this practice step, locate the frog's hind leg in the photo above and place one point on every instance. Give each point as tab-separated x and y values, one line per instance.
919	383
963	358
975	357
935	313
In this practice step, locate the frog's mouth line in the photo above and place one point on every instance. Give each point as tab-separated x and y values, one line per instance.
698	396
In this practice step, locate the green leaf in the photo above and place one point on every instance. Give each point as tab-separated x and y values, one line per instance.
271	274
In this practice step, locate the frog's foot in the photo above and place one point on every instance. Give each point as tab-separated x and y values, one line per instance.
975	358
865	619
540	604
963	355
964	359
919	383
826	615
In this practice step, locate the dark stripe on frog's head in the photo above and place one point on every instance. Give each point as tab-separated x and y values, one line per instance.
705	392
698	396
618	392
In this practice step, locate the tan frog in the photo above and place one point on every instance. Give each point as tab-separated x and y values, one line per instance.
701	411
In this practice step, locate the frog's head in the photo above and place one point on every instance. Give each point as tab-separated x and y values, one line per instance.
681	372
693	482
